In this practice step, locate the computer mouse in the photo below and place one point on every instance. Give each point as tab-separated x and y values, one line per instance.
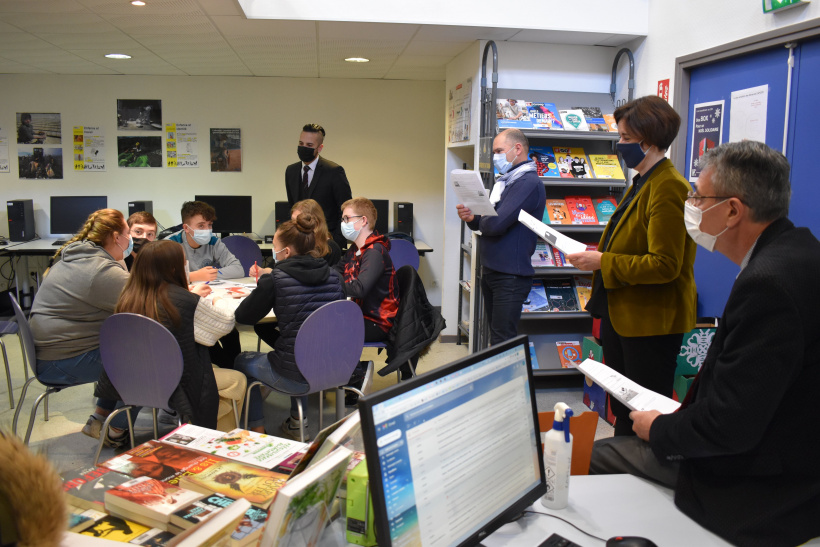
629	541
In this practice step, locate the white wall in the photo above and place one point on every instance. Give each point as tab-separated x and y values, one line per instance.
387	134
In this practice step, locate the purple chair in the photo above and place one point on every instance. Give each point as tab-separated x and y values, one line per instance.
327	350
10	327
245	250
403	253
145	372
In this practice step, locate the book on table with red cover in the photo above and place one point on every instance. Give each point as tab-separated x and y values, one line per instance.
157	460
85	488
148	501
581	210
569	353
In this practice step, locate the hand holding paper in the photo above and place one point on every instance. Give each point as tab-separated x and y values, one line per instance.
470	192
565	244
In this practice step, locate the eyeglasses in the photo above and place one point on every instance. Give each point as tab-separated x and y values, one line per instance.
696	199
347	218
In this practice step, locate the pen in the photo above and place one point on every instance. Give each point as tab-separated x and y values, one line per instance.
256	270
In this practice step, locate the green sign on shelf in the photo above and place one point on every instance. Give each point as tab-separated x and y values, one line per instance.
776	5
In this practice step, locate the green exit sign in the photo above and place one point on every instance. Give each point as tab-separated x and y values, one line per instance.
777	5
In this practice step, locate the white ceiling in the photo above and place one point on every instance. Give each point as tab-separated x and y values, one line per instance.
213	37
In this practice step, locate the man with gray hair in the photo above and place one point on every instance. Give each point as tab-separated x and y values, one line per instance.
737	452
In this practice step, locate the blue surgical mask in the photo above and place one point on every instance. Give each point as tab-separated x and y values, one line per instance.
502	164
203	237
127	252
632	153
348	230
276	257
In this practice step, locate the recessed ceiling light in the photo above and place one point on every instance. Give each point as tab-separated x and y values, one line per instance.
357	60
138	3
118	56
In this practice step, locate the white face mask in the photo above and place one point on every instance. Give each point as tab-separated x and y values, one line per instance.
692	217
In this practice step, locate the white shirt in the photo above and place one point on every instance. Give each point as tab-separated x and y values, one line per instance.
311	171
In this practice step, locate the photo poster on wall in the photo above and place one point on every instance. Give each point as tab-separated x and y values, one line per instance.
139	115
707	133
88	148
5	166
139	151
226	150
40	162
181	148
37	155
458	121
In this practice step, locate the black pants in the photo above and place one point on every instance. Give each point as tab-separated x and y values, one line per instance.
647	360
224	352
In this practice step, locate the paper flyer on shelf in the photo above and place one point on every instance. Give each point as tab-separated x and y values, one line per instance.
550	235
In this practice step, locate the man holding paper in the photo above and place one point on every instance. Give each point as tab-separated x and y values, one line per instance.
506	244
738	452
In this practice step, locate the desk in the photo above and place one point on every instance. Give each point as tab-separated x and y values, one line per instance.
23	250
421	247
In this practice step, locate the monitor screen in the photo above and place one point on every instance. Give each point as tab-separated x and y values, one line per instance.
233	213
454	453
69	213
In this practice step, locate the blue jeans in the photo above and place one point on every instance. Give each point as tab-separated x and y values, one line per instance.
504	294
257	367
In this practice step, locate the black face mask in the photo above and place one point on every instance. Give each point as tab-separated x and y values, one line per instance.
306	153
138	243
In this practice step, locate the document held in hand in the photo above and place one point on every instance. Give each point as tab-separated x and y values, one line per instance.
470	191
550	235
633	395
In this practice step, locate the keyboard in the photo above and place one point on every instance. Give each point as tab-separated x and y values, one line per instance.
59	242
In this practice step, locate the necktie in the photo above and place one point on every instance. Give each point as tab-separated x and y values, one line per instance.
305	182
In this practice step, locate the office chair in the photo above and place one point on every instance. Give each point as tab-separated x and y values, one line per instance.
403	253
245	250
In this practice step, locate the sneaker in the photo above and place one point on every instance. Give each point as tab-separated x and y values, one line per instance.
168	418
116	442
291	428
92	427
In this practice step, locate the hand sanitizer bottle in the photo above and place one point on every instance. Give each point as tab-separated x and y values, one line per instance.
557	459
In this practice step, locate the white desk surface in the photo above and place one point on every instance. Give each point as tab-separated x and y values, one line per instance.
607	506
421	247
35	246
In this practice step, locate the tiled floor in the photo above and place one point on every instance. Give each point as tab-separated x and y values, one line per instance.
60	437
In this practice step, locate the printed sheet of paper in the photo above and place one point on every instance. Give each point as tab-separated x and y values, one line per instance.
555	238
470	191
633	395
747	114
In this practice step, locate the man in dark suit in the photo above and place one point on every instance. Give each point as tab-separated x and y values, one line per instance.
738	452
319	179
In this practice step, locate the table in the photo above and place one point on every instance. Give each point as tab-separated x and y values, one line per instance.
421	247
23	250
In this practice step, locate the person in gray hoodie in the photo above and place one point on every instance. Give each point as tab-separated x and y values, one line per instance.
78	294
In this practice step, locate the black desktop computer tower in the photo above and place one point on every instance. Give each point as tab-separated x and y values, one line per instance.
21	219
403	217
281	212
138	206
382	210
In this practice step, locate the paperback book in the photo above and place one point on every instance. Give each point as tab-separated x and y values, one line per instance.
574	160
606	166
574	120
611	124
583	289
216	530
512	113
558	212
558	257
542	257
560	295
148	501
86	488
247	531
594	117
160	461
533	356
544	159
235	479
79	520
544	116
537	299
581	210
115	529
569	353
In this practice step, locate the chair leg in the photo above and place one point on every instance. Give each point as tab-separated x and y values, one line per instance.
23	353
301	419
19	405
156	427
248	399
130	425
34	413
104	431
8	374
321	409
340	404
235	412
45	407
258	344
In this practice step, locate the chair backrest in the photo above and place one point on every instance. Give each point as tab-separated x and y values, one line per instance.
403	253
329	344
582	428
147	368
245	250
25	334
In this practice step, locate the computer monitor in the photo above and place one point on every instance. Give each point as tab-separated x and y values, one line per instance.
454	453
233	213
69	213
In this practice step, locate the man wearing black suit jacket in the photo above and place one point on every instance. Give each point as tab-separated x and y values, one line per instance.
739	452
319	179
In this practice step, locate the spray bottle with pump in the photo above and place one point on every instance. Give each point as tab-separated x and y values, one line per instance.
557	459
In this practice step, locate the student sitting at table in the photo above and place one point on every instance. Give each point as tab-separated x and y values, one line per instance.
143	227
369	277
209	258
79	292
325	248
158	289
298	285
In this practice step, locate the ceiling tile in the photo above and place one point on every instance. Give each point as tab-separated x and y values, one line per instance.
220	7
9	66
152	7
55	23
40	6
110	40
447	33
239	26
436	61
162	24
369	31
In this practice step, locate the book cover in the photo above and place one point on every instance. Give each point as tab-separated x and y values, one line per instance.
558	212
153	538
611	124
290	464
512	113
594	117
558	257
216	530
544	159
248	529
79	520
85	488
569	353
573	160
348	434
581	210
574	120
147	497
537	299
560	294
542	257
235	479
533	356
583	289
115	529
160	461
604	207
301	509
544	116
314	446
239	445
606	166
591	247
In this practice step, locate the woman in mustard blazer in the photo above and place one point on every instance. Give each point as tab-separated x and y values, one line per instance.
643	285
